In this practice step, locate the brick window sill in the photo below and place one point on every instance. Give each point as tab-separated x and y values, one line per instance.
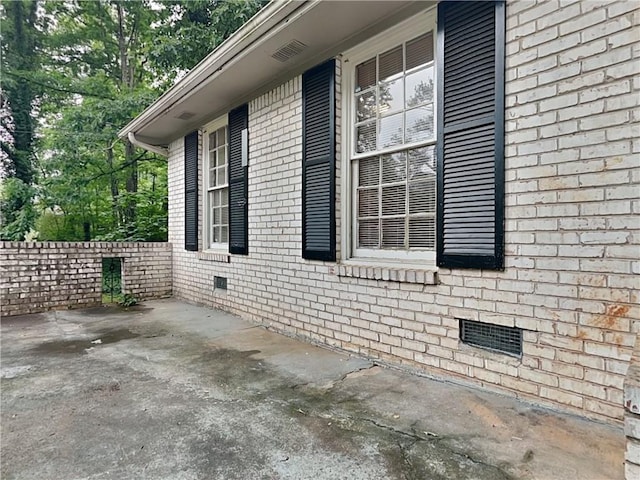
221	257
388	273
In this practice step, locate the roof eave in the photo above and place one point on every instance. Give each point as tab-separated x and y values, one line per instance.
265	20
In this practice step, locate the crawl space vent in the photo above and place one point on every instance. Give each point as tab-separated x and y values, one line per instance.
220	282
291	49
492	337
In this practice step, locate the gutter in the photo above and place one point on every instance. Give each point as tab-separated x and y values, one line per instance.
266	20
152	148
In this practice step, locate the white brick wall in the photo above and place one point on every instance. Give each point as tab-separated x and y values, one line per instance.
572	230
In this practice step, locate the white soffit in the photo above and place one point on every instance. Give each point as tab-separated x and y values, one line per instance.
308	33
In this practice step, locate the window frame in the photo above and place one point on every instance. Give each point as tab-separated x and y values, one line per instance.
208	245
401	33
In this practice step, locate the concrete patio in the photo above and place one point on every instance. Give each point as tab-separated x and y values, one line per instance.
171	390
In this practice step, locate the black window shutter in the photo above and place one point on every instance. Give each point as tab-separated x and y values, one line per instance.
238	183
191	192
471	134
318	163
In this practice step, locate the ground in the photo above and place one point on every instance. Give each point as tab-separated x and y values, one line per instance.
171	390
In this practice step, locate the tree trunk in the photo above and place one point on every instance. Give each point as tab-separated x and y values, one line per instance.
115	193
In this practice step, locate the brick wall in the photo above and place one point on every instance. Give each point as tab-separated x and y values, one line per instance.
572	230
40	276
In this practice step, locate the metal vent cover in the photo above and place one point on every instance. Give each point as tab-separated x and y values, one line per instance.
220	282
497	338
186	115
289	50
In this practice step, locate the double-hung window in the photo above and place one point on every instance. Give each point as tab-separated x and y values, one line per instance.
216	185
390	97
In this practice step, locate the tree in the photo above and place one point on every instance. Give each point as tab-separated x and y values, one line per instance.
192	29
98	65
16	209
21	45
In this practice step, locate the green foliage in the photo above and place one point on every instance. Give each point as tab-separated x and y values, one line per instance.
192	30
128	300
17	212
81	70
56	227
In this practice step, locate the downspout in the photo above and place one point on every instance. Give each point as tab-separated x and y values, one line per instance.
152	148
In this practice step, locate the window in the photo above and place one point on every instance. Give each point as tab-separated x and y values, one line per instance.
216	185
391	101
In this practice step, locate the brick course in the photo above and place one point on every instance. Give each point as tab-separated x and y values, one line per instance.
40	276
571	229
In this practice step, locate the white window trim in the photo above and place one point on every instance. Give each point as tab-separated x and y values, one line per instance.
390	38
215	248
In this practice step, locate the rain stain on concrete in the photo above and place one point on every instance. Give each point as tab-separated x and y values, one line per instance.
25	320
79	346
340	423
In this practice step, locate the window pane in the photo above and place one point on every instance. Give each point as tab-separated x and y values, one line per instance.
225	196
216	198
224	217
390	131
422	197
222	176
391	96
394	167
366	138
366	106
222	136
224	234
394	200
222	156
368	202
369	171
212	141
216	216
369	233
419	124
422	232
420	50
212	177
422	163
393	233
420	87
391	63
216	235
366	74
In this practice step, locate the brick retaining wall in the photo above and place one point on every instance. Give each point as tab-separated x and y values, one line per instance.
40	276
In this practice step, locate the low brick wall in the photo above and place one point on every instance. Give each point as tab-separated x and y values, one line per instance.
40	276
632	415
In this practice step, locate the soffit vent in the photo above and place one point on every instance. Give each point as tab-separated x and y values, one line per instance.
186	115
291	49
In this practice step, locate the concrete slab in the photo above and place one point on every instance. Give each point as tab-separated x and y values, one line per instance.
171	390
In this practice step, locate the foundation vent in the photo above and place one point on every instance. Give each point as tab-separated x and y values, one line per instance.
291	49
497	338
220	283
